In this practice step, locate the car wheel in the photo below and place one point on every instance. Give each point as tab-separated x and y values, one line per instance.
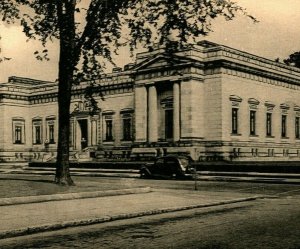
144	174
179	176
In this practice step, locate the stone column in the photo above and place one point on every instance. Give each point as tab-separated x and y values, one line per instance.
176	112
94	131
72	142
75	133
140	114
89	135
152	121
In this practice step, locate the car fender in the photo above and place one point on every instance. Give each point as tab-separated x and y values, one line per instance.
144	171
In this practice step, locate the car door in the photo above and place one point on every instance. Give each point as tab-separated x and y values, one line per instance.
171	166
159	168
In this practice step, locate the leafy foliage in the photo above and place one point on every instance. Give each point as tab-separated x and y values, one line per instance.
293	60
91	31
99	24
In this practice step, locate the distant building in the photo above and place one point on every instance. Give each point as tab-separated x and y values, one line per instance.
208	101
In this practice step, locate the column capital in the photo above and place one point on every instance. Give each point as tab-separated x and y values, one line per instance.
176	81
140	85
151	83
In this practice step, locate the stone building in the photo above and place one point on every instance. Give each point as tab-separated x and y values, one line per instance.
209	101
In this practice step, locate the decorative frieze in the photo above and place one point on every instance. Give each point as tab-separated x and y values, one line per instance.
260	76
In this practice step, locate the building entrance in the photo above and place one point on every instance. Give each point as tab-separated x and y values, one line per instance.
168	124
83	124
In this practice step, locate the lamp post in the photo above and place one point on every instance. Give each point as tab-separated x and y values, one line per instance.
195	179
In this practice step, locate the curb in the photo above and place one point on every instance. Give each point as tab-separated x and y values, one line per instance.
76	173
107	218
268	180
71	196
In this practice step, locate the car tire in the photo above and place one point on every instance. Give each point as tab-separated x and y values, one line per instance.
144	174
179	176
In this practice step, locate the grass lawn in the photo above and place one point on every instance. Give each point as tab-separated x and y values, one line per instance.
32	185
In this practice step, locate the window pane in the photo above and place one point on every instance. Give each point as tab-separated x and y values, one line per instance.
252	122
51	133
283	125
18	134
297	130
234	129
127	129
38	134
109	132
269	124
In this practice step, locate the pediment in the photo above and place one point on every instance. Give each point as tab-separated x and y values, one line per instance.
161	61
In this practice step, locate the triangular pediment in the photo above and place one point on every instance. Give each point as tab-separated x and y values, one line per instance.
161	60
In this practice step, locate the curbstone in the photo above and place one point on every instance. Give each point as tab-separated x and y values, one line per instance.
71	196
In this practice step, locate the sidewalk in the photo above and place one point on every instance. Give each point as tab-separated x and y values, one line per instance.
277	178
33	217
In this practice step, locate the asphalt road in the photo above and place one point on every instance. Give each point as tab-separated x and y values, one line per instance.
267	223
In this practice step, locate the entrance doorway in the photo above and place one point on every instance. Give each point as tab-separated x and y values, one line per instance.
168	124
83	124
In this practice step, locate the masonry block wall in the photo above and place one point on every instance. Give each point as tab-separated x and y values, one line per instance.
207	101
192	107
213	108
280	96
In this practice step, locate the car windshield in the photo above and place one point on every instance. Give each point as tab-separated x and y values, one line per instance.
184	162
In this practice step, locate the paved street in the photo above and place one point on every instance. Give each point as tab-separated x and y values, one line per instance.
260	223
265	224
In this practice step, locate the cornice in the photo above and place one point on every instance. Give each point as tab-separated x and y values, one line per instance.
109	89
224	51
253	73
14	96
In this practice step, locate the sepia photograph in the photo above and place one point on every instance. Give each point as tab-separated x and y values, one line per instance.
149	124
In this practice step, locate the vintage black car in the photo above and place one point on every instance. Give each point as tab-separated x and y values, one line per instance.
168	167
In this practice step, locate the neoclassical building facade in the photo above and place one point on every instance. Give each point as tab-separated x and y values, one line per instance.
209	101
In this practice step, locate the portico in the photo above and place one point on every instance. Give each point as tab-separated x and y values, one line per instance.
157	112
83	128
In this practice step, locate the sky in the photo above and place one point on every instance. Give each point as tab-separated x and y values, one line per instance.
277	35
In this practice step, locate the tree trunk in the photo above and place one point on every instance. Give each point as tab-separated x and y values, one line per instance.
66	10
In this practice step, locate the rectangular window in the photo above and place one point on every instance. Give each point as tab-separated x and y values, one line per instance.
18	134
269	124
50	130
283	126
37	132
18	131
51	133
168	124
252	122
127	129
109	130
234	128
297	128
